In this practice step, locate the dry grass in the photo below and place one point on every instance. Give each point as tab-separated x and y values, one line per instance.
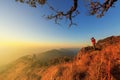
89	64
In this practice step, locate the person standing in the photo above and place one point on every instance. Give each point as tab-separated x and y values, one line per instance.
93	41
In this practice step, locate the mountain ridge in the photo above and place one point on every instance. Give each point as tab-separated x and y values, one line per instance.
89	64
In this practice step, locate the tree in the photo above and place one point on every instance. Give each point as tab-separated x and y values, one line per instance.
95	7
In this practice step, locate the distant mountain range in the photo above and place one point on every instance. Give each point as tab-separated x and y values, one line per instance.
51	54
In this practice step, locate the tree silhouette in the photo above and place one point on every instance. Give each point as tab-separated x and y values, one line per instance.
95	7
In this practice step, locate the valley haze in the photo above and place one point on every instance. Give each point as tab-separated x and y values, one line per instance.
8	55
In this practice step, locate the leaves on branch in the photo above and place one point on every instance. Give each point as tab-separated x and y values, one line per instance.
33	3
98	8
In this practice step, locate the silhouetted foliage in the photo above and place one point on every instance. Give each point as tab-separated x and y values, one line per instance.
60	71
115	71
60	60
95	7
79	75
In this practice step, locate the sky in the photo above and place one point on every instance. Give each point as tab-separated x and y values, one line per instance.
23	26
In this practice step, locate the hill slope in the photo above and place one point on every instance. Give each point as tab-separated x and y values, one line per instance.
30	67
89	64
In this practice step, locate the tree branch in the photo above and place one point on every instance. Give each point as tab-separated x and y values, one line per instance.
96	7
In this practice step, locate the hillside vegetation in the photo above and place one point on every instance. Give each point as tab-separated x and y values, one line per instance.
30	67
89	64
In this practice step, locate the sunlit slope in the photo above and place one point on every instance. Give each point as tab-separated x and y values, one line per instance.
31	67
89	64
